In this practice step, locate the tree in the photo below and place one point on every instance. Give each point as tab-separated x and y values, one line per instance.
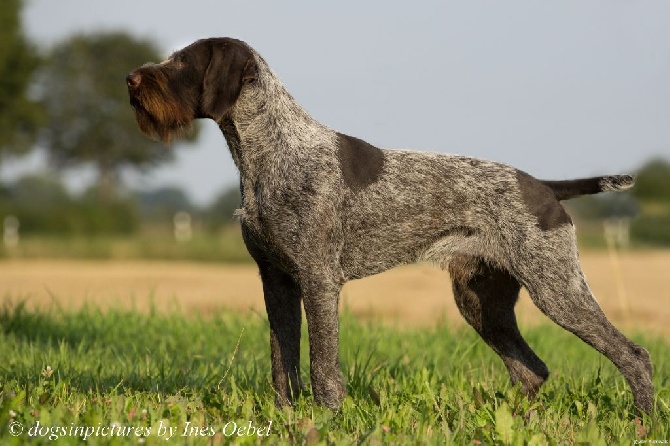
164	202
89	120
42	204
40	192
221	211
653	181
20	117
652	190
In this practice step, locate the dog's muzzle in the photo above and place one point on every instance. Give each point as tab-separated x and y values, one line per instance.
133	80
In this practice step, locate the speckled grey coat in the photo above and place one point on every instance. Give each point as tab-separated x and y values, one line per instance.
320	208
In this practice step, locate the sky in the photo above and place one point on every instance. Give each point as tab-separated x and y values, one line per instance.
558	89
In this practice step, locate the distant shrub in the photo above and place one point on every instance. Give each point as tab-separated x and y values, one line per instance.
652	229
653	181
43	206
75	218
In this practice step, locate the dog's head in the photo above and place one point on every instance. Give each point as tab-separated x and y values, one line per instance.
202	80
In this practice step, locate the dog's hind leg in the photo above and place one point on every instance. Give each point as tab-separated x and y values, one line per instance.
486	295
550	271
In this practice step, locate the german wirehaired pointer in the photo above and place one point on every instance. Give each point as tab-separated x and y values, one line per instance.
320	208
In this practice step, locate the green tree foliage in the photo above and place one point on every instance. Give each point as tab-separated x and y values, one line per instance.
652	190
37	192
652	229
220	212
162	203
89	120
20	117
43	205
653	182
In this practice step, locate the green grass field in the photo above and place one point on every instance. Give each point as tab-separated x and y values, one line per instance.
109	377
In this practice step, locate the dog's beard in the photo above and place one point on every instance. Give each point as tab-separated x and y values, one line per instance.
155	128
159	114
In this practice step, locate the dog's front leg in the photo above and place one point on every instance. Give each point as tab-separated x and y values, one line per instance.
321	308
282	303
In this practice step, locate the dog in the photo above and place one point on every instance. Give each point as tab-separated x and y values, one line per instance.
320	208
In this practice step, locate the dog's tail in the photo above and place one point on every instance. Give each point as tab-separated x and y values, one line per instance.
567	189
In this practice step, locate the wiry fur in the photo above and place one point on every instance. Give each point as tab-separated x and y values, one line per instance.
158	113
320	208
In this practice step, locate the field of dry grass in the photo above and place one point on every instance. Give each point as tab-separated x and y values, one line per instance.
633	289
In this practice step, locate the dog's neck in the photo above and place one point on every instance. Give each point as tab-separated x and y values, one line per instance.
267	124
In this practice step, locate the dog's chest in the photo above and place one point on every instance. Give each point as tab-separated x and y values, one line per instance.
269	232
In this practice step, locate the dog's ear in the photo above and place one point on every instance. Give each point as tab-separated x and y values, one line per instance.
231	65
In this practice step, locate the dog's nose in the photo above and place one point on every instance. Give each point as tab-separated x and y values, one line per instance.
133	80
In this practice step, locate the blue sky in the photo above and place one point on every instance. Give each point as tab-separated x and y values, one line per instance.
559	89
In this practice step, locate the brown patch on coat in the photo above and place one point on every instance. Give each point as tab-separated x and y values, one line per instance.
361	163
540	200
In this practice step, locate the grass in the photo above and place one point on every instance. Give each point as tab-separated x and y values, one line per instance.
207	376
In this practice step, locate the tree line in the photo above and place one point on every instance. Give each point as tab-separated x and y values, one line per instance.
43	205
